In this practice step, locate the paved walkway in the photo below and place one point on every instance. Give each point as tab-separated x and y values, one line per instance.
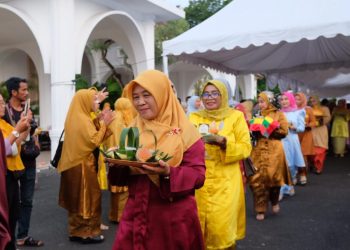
43	160
316	218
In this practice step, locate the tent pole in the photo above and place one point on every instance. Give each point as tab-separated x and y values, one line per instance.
165	65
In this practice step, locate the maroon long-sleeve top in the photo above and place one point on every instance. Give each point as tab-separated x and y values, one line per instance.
164	217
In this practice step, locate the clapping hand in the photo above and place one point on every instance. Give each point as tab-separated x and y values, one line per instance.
107	116
101	95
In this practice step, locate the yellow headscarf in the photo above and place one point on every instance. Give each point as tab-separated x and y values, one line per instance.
224	110
79	130
125	109
270	107
316	109
171	117
124	115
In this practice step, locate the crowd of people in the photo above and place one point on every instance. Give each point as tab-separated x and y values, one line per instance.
196	199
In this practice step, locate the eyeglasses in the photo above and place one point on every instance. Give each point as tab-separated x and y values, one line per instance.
215	94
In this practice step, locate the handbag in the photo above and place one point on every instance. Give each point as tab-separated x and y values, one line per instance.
58	153
29	150
249	167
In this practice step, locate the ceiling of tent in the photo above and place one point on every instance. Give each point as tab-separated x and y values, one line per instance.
307	42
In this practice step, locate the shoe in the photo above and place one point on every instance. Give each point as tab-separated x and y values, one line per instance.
291	192
260	216
280	197
276	209
295	180
104	227
303	180
29	242
75	238
88	240
93	240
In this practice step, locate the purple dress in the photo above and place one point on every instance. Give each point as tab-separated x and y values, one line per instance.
164	217
4	226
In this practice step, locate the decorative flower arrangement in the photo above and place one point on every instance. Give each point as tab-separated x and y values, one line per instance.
210	131
264	125
132	151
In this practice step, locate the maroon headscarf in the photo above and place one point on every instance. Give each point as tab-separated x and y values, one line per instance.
4	225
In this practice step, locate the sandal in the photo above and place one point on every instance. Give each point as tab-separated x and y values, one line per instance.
260	216
104	227
30	242
276	209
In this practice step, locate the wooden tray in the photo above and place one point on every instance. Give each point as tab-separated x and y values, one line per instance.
130	163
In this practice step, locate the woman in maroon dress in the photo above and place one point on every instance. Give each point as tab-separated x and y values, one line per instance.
4	225
161	212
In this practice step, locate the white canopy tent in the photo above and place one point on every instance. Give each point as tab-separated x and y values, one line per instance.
292	39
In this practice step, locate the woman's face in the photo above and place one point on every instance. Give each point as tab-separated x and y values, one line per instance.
95	103
284	102
2	106
144	103
298	101
312	101
211	97
262	104
197	103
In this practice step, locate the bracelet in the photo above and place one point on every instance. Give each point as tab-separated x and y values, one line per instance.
166	177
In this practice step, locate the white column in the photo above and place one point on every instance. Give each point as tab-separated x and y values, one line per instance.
147	62
45	100
62	65
248	85
165	65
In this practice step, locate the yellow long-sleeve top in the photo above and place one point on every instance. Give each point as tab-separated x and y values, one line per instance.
221	203
14	163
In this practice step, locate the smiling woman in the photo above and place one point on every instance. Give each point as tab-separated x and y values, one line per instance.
161	212
227	141
144	103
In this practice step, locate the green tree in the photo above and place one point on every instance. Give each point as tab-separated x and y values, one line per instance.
199	10
103	46
166	31
198	86
3	91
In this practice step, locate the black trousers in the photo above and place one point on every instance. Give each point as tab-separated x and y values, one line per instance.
12	189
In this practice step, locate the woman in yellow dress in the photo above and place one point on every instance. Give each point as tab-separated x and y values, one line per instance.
221	201
125	114
340	129
80	193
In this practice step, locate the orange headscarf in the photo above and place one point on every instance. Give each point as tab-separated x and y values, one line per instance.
79	130
124	115
170	118
303	98
124	107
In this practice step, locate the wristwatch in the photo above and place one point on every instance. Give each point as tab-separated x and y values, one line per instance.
15	133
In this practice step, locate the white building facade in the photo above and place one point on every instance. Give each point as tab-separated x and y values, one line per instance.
54	35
